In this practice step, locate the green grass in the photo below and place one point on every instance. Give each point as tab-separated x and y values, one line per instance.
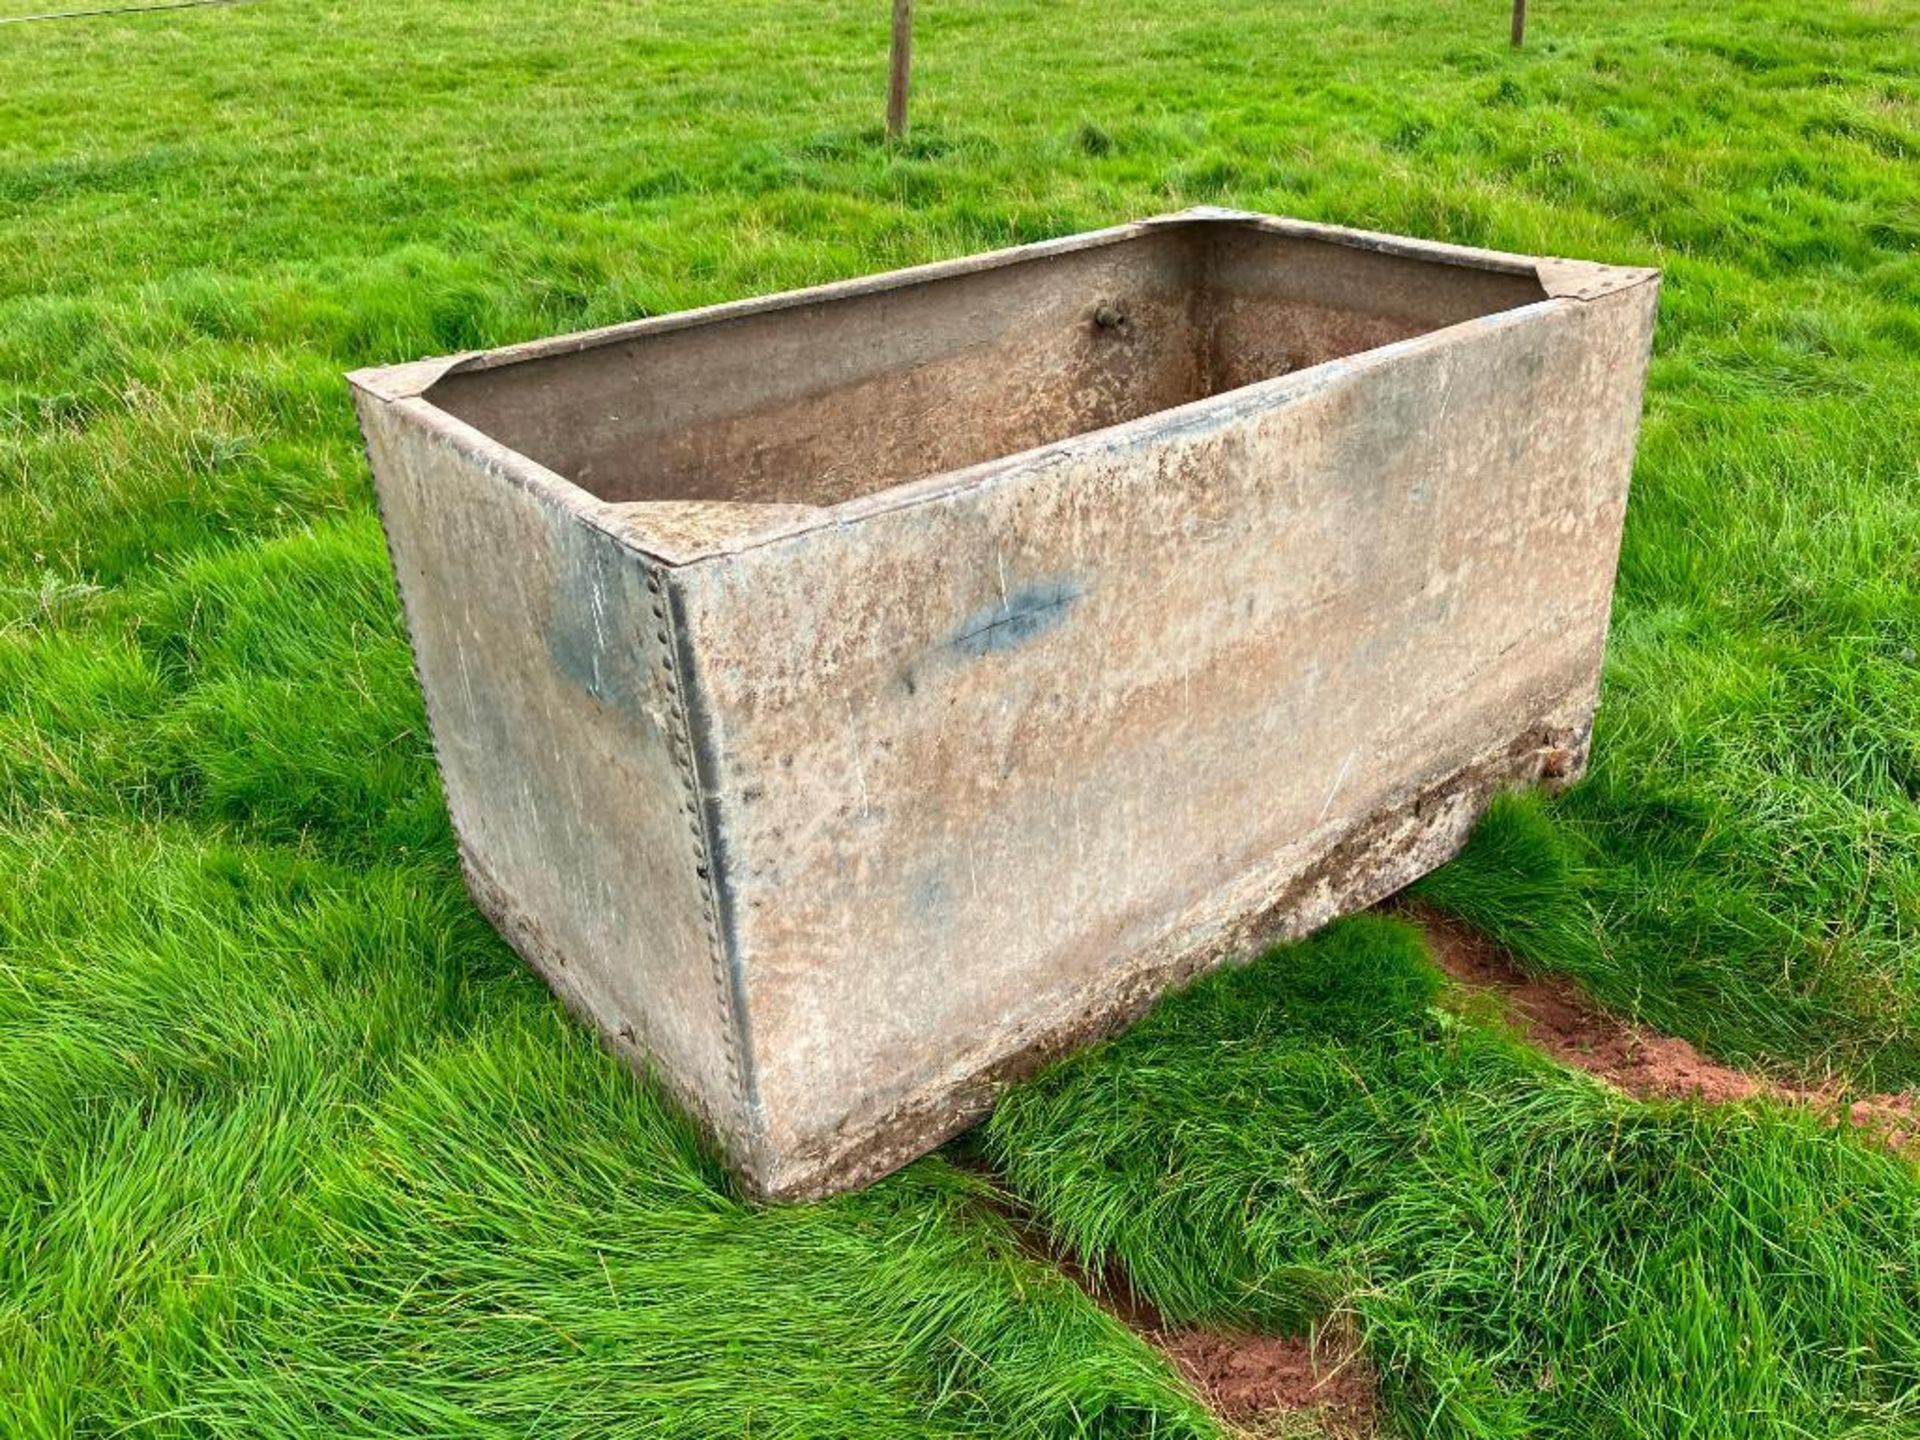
291	1147
1312	1140
290	1144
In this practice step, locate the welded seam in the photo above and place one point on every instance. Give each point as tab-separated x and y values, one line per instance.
699	812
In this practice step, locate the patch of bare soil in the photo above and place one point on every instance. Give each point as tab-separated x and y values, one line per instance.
1557	1016
1264	1385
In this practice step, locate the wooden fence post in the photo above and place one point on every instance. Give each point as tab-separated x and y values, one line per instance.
1519	22
900	66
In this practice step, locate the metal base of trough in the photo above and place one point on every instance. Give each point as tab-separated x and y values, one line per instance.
851	699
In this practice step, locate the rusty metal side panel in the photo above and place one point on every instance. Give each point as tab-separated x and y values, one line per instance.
545	653
817	404
994	767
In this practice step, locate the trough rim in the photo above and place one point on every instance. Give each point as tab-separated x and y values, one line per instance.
404	386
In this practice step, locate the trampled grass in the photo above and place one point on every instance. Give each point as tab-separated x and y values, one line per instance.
289	1142
1313	1141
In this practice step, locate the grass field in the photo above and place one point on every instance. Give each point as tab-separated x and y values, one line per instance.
290	1144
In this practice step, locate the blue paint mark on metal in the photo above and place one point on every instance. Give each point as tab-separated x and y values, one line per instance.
594	631
1021	615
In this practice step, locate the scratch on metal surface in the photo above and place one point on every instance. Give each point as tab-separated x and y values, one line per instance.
1338	781
859	770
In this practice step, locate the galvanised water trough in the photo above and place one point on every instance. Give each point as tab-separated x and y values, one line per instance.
851	698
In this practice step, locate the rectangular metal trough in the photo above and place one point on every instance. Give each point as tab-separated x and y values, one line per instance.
852	698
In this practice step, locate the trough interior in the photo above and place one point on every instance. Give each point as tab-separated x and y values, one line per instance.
817	403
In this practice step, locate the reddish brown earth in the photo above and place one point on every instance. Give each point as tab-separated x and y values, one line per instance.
1263	1387
1557	1017
1260	1385
1266	1385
